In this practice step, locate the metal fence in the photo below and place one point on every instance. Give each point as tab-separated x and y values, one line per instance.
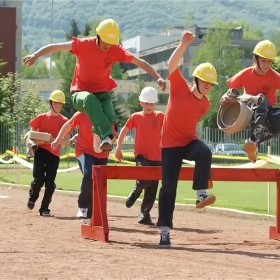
13	136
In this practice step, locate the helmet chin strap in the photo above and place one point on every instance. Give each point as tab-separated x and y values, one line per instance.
197	86
257	59
52	106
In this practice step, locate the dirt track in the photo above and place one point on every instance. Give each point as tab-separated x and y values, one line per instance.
204	245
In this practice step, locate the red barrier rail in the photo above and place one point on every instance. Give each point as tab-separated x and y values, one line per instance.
99	228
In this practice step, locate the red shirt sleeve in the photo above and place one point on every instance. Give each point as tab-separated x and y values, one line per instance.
35	123
178	84
124	55
130	123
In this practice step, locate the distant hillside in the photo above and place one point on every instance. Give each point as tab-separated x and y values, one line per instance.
140	16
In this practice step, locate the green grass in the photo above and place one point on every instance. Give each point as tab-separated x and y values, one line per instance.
244	196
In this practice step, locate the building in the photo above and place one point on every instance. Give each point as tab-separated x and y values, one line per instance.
44	87
158	55
11	35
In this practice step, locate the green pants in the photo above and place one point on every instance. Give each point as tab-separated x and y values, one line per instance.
99	108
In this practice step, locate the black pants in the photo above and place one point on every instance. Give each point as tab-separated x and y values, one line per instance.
265	123
149	186
172	158
44	172
86	162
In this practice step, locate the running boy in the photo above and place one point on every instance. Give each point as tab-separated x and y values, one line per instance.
147	151
92	83
186	106
86	157
46	160
262	81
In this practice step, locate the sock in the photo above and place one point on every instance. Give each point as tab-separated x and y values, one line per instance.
200	192
164	230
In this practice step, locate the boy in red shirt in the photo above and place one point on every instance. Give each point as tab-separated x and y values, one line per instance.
86	157
186	106
92	83
147	151
46	160
262	81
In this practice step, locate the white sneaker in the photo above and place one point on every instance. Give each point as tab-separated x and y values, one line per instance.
96	143
251	149
82	213
106	145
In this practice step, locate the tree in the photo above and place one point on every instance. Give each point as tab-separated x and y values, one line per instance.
120	112
35	71
74	30
10	87
276	67
30	105
274	37
217	50
132	104
64	68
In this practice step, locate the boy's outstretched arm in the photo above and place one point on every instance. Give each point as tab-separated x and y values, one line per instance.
63	131
30	59
149	69
187	38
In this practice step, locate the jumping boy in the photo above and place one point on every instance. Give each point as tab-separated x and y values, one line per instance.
262	81
186	106
147	151
46	159
92	83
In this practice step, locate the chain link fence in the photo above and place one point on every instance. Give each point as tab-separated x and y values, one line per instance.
12	135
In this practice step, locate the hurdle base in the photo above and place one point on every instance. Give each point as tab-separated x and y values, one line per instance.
273	234
94	232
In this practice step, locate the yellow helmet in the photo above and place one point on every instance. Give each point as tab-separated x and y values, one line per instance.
57	96
265	49
206	72
109	31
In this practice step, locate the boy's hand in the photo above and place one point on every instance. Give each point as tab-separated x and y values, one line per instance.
29	60
187	38
119	155
54	144
161	82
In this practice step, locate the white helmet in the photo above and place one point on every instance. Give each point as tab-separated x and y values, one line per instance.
149	95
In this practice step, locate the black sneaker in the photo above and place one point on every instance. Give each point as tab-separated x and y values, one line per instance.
145	220
164	240
205	200
30	205
131	199
45	213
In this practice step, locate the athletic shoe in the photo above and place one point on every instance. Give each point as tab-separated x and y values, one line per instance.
131	198
205	200
96	143
106	145
145	220
30	205
82	213
86	221
251	150
45	213
164	240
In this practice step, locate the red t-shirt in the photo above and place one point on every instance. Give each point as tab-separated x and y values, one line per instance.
182	113
254	84
50	124
93	66
148	134
84	144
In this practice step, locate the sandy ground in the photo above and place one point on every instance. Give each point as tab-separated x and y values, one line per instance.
204	245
